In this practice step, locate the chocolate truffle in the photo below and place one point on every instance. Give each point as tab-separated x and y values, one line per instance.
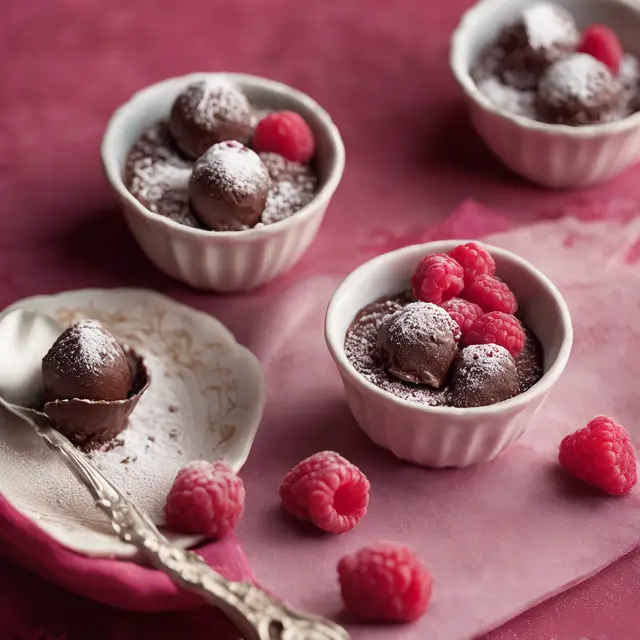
418	343
578	90
210	111
483	374
544	33
86	362
229	186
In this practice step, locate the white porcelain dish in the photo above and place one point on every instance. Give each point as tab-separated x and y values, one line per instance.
446	436
232	260
205	401
555	156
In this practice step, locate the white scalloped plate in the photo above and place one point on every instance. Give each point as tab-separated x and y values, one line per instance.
205	401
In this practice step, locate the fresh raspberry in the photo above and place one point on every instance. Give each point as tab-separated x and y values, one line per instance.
463	312
385	582
206	498
497	328
603	44
474	259
437	278
327	490
601	455
286	133
491	294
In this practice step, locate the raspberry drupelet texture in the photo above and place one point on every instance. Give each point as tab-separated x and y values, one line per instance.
385	582
474	259
602	455
463	312
497	328
602	43
490	294
327	490
437	278
206	498
286	133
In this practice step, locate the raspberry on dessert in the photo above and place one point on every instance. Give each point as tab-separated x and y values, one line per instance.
602	455
603	44
437	278
498	328
206	498
385	582
490	294
463	313
286	133
474	259
327	490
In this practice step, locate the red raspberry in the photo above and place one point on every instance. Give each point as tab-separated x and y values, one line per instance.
328	490
386	582
601	455
490	294
286	133
474	259
437	278
206	498
463	312
602	43
497	328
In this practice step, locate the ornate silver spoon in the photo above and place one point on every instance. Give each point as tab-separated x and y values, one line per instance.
25	337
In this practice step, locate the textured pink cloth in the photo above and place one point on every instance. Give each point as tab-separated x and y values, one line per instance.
412	157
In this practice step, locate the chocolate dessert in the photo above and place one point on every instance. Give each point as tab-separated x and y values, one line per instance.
543	68
92	383
160	166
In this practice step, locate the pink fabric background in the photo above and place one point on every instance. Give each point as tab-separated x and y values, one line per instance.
412	158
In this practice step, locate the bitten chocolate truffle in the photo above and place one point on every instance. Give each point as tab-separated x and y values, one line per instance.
483	374
578	90
229	186
86	362
543	34
208	112
418	343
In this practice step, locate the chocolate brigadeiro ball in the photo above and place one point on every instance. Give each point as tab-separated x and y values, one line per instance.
578	90
207	112
483	374
418	343
543	34
229	186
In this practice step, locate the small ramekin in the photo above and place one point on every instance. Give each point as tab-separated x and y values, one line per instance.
446	436
221	261
556	156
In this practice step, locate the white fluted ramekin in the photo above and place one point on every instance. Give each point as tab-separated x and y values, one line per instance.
556	156
446	436
231	260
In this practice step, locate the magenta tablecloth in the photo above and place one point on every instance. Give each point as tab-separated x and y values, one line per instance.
381	71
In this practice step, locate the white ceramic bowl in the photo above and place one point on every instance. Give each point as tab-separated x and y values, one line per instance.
446	436
556	156
222	261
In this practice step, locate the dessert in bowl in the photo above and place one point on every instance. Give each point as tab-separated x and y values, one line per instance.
209	189
553	88
432	394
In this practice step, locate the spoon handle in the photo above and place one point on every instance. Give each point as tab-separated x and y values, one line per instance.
256	613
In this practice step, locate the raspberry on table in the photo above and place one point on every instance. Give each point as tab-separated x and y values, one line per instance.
286	133
498	328
474	259
385	582
206	498
602	455
491	294
327	490
462	312
437	278
602	43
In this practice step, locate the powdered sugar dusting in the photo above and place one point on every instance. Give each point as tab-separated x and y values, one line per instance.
418	321
480	363
213	101
548	25
509	98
